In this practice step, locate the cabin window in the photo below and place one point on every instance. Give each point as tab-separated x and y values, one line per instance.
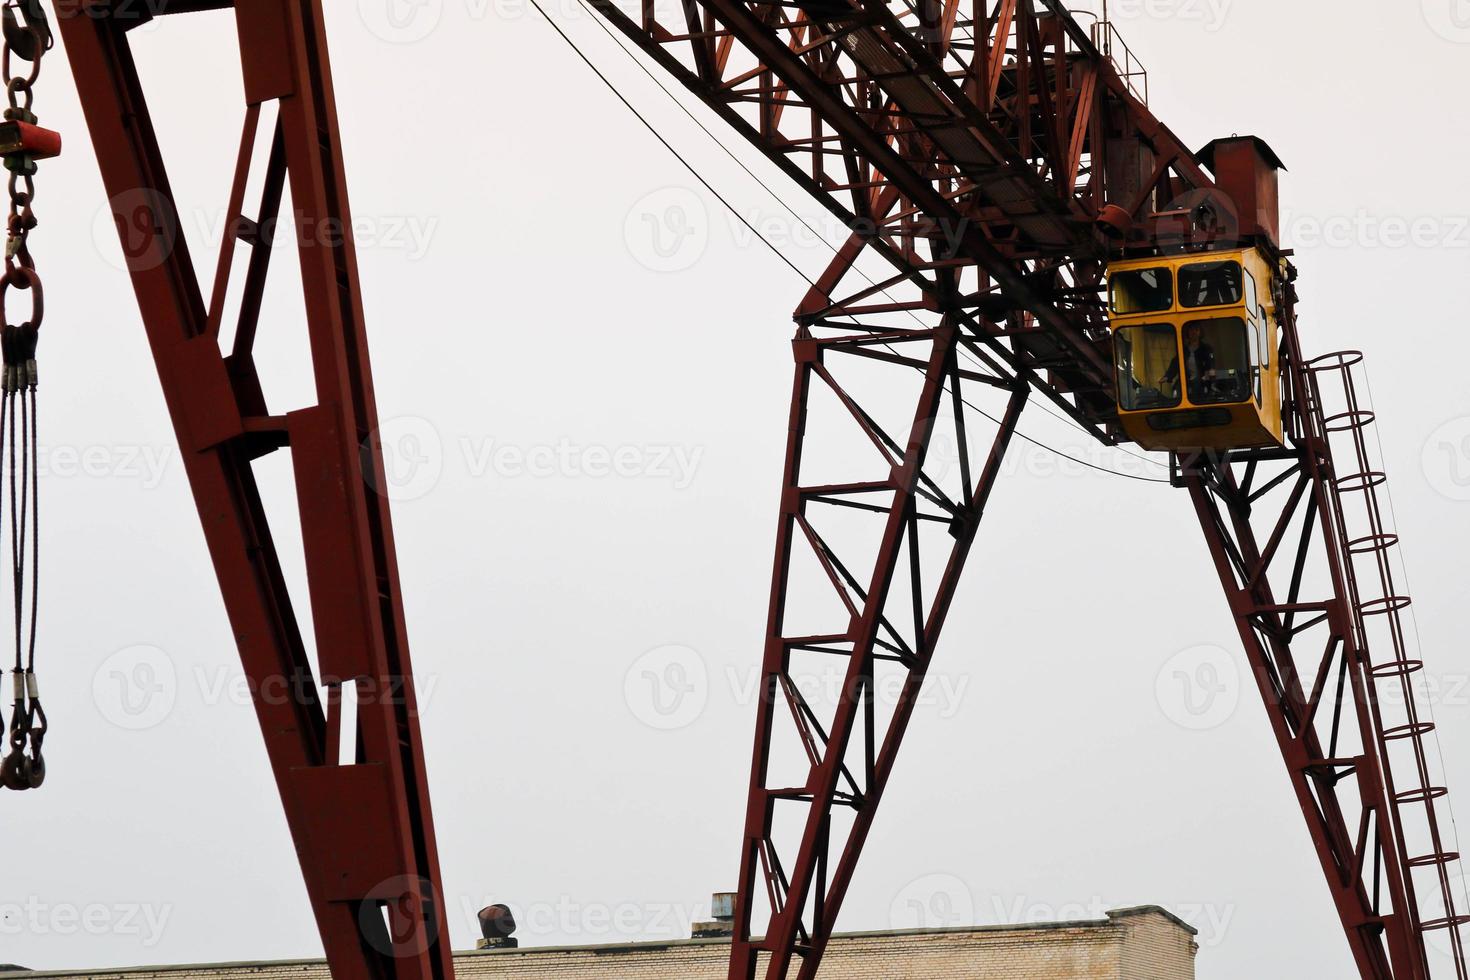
1144	358
1142	291
1217	361
1211	284
1256	320
1258	350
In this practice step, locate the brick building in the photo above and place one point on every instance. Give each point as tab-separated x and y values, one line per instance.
1145	943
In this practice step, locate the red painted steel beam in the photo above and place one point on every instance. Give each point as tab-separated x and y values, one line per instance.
1270	521
841	130
807	893
356	798
873	103
979	181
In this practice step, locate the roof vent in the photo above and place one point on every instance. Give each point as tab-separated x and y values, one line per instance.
722	912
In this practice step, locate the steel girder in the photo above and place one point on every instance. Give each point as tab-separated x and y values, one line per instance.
355	797
1302	549
893	599
975	152
977	149
1000	129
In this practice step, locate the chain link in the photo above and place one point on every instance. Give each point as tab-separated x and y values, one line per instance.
27	37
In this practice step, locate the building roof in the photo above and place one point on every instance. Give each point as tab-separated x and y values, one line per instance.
1116	929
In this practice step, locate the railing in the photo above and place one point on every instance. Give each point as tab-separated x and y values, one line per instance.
1105	38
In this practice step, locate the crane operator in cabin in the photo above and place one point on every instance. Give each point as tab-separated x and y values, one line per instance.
1199	361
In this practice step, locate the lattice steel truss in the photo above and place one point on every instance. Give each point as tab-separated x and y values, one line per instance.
1304	550
993	155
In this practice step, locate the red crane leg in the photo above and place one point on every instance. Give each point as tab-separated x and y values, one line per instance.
898	626
1267	627
1278	532
356	799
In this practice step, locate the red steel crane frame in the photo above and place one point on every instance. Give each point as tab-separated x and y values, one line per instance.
993	155
363	830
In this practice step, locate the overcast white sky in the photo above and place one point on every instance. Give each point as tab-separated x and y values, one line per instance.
518	305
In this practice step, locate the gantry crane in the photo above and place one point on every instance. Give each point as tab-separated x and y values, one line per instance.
997	156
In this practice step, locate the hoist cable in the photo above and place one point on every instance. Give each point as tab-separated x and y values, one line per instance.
667	145
27	37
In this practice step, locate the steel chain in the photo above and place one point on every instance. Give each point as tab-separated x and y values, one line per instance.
27	37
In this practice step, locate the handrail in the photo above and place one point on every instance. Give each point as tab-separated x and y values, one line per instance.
1107	39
